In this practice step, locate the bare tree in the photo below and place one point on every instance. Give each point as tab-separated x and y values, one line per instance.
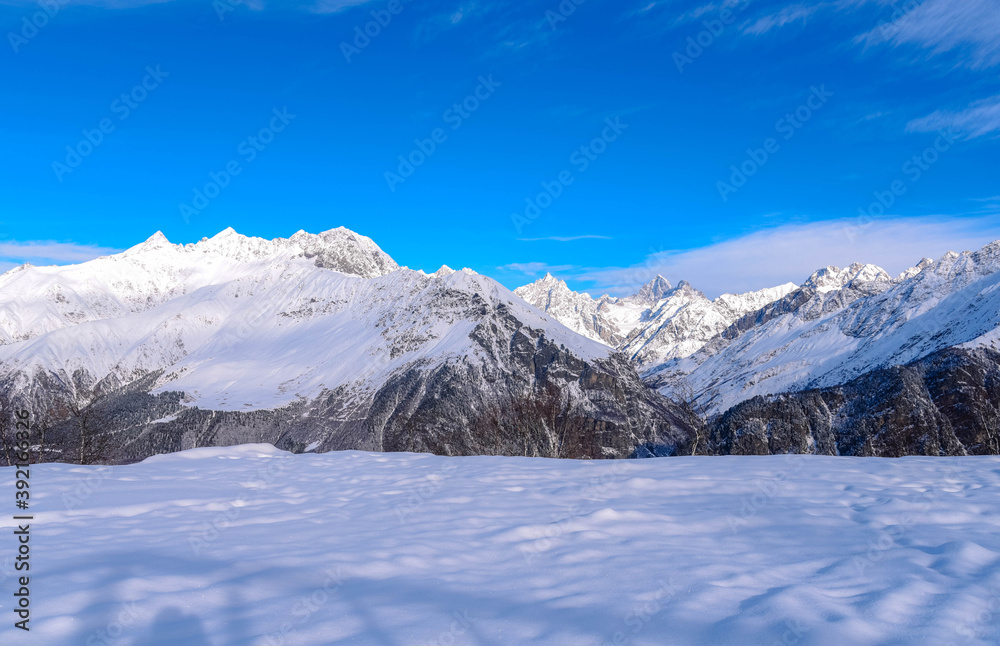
40	428
992	424
684	397
90	421
7	429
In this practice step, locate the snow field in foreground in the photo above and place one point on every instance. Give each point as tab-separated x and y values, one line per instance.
251	545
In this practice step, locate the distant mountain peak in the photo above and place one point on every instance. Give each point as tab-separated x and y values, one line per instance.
654	290
658	322
832	278
444	270
155	241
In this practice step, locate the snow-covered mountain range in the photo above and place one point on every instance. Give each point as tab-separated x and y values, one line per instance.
324	328
899	365
843	323
323	340
658	323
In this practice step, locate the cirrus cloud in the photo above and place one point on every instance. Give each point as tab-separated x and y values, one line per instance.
48	252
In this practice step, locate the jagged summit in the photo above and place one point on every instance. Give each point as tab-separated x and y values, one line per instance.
155	241
339	249
657	323
832	278
652	291
914	270
444	270
348	252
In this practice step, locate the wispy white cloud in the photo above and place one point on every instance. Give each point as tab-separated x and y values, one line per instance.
969	27
788	15
792	252
315	6
980	118
48	252
435	25
566	238
335	6
535	268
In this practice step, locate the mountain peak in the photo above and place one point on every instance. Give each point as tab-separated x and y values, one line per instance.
915	269
346	251
654	290
445	270
832	278
155	241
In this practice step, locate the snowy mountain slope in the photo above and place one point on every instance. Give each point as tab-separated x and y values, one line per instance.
578	312
657	324
733	306
244	324
36	300
223	344
842	324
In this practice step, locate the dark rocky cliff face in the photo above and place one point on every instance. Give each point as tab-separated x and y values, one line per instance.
529	397
947	403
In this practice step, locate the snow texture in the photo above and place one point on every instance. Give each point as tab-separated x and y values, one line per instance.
250	545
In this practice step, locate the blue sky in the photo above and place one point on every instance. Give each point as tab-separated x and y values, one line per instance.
824	105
